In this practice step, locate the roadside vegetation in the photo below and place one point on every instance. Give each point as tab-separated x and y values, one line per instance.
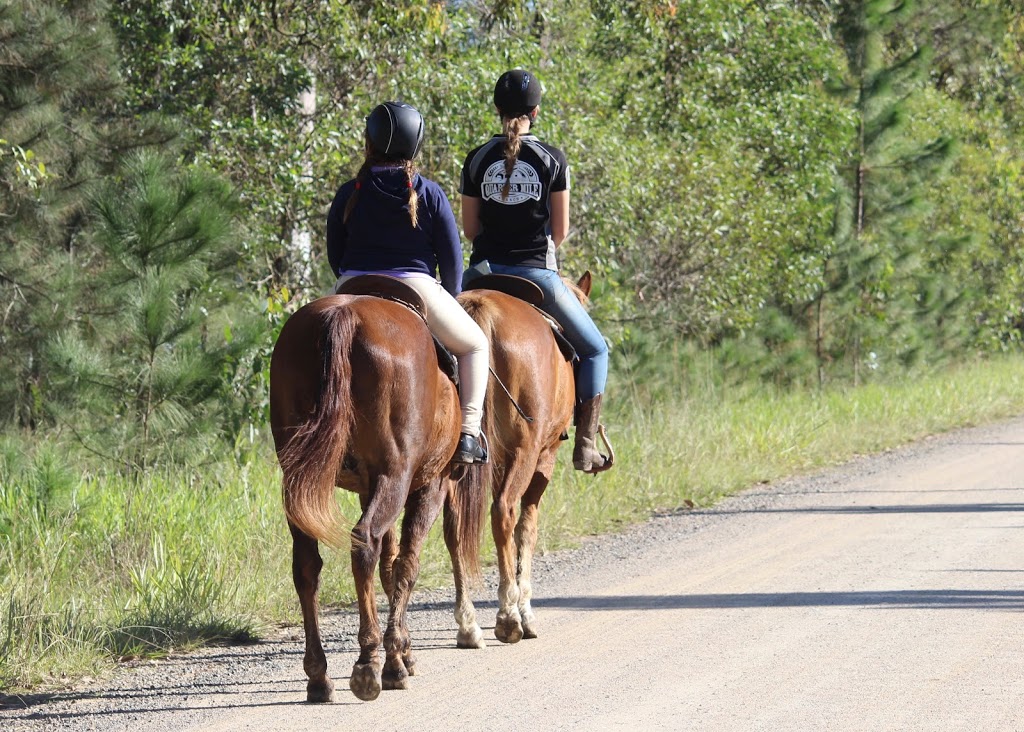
804	220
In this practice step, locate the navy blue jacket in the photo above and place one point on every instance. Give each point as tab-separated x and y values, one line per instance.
378	235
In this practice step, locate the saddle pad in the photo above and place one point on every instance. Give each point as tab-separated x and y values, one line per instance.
525	290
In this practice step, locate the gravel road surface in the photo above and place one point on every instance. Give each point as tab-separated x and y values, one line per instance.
882	595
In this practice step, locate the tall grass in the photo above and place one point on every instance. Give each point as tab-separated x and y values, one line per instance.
95	568
711	440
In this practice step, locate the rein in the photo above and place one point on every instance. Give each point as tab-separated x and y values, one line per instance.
509	395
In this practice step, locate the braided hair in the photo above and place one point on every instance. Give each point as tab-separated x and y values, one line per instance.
517	95
374	158
510	128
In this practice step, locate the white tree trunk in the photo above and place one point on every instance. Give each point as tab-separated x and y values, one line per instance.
302	239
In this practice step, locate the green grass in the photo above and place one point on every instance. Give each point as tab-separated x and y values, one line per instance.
100	568
672	452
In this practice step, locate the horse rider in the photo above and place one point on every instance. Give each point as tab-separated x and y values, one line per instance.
391	220
515	210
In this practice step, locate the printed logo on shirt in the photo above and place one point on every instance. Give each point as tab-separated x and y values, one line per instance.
524	183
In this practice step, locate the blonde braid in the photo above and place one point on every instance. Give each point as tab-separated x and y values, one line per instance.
510	126
414	197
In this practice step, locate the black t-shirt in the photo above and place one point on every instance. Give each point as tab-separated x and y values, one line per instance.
515	230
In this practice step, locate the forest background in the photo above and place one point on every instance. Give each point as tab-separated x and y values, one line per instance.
783	203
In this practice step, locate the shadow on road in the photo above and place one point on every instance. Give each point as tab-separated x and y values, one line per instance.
907	599
871	508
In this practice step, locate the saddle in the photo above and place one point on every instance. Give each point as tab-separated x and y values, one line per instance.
527	291
392	288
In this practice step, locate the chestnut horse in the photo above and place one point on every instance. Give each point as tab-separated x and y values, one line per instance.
526	418
357	401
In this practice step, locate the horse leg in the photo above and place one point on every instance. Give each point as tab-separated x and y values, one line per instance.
388	553
421	510
508	626
470	635
526	543
380	511
306	566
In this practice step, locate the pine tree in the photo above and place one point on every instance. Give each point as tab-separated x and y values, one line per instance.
59	133
56	62
151	367
870	278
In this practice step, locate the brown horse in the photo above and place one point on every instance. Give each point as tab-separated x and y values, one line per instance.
357	401
525	427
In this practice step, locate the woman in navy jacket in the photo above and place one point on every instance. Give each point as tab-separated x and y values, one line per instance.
391	220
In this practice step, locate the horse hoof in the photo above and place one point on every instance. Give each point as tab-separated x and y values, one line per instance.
320	692
395	682
529	621
365	682
472	638
508	630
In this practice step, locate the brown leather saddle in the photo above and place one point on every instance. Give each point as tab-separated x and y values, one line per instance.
525	290
394	289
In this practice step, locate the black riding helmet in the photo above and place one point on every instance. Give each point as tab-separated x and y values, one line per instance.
395	130
516	93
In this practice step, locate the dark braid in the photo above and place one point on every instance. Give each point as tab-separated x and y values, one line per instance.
510	126
364	171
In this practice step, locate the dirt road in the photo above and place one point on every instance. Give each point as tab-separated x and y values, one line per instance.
883	595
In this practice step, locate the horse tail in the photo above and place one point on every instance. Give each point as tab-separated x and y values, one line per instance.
466	511
312	455
466	508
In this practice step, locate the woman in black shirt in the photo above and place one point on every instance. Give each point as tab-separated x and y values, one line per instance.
515	210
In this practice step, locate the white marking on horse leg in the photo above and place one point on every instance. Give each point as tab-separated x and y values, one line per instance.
526	542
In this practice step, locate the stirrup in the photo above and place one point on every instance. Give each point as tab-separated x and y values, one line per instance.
471	450
609	459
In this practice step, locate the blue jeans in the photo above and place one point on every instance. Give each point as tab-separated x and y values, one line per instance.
579	329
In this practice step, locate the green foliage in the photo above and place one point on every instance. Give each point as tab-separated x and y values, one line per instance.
55	70
58	92
97	568
175	601
872	281
721	105
153	362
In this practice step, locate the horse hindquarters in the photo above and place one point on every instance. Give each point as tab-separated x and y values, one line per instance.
309	387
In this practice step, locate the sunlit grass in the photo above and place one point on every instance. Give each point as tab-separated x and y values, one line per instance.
675	451
98	568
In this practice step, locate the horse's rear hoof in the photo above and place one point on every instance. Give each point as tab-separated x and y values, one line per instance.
393	682
320	692
472	638
365	682
508	630
529	623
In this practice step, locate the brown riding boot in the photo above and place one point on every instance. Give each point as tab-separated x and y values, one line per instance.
585	455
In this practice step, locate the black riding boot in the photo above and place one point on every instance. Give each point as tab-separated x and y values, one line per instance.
585	455
469	451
